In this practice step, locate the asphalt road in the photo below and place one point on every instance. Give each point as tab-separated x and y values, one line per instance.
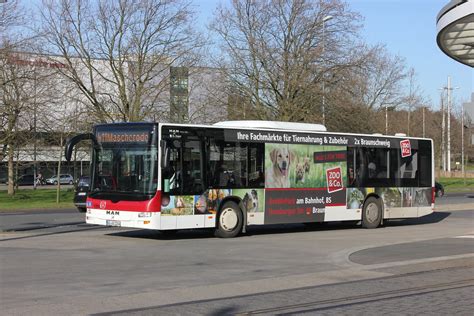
53	263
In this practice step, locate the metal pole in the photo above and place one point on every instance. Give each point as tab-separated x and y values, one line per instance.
462	144
386	119
443	132
35	164
325	19
324	75
423	121
449	124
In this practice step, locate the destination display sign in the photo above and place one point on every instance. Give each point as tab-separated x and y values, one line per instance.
122	137
129	134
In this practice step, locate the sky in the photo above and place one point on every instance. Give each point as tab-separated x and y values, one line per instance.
407	28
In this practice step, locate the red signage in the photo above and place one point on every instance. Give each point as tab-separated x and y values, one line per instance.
334	179
405	147
329	156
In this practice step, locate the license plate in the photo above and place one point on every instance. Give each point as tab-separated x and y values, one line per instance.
110	222
82	193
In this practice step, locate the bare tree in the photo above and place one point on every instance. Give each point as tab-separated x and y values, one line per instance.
377	87
13	93
118	53
277	52
382	80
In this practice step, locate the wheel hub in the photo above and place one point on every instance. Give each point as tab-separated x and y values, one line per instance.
228	219
372	212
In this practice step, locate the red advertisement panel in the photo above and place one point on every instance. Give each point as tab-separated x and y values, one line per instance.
334	179
405	147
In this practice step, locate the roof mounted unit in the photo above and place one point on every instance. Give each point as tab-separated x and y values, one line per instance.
274	125
400	134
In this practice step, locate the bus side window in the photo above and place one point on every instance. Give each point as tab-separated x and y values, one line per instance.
404	170
228	164
256	172
371	167
424	164
351	167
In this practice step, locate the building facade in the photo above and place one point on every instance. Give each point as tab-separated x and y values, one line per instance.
59	109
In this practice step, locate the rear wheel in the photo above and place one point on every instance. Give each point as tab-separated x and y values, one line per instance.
229	221
372	213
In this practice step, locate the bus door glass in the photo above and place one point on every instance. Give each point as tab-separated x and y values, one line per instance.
183	175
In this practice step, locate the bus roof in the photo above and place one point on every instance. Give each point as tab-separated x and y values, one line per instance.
277	127
292	126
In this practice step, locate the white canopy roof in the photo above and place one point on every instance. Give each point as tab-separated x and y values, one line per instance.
455	24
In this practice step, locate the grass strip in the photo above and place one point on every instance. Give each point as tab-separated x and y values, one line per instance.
25	199
459	185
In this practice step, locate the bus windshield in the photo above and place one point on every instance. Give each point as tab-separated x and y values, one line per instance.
125	163
125	168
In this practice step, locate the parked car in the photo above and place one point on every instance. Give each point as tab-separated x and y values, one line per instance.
27	179
63	179
80	196
439	189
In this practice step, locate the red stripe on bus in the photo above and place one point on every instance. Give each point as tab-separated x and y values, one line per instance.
151	205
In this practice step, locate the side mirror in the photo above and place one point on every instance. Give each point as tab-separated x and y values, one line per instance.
71	142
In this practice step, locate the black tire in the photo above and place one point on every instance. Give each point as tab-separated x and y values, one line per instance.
372	213
70	182
55	183
229	221
81	209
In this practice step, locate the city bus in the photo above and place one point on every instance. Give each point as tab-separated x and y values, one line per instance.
235	174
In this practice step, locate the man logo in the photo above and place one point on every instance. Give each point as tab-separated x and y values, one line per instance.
112	212
103	204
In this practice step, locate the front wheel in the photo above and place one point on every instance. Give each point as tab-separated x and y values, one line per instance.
229	221
372	213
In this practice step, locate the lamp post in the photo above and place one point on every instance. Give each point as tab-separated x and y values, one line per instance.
462	144
325	19
449	89
423	109
443	133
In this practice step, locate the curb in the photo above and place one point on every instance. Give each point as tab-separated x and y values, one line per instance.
455	207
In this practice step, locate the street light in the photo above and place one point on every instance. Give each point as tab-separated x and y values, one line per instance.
449	89
325	19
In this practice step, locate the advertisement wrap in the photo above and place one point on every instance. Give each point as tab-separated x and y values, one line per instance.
305	176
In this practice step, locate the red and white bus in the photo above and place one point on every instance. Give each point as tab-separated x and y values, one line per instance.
235	174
